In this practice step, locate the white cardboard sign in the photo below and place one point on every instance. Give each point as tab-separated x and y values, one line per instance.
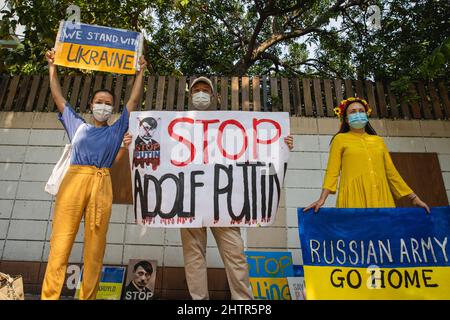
213	168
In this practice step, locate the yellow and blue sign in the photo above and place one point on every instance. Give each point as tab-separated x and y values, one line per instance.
268	272
382	253
111	283
92	47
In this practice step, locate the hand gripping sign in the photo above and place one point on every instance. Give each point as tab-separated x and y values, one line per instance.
91	47
193	169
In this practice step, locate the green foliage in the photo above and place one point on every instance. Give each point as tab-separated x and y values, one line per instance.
410	44
236	37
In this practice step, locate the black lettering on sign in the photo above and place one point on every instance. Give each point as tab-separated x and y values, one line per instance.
273	178
223	183
77	53
225	190
138	191
194	185
339	284
263	195
338	281
414	280
141	192
399	277
254	189
349	279
425	279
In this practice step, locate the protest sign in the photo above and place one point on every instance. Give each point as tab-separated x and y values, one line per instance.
111	282
193	169
382	253
92	47
268	273
297	288
140	282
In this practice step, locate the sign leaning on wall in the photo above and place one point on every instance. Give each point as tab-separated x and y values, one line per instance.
110	286
380	253
140	281
92	47
193	169
269	273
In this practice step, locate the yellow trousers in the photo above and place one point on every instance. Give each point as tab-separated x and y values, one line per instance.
85	190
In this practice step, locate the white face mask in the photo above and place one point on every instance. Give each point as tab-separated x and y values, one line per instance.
201	100
102	112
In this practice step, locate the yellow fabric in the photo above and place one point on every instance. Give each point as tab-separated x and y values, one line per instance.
410	283
368	177
85	189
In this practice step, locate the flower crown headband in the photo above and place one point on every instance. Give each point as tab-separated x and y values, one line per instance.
339	110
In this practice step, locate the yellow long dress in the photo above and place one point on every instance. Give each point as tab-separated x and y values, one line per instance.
368	177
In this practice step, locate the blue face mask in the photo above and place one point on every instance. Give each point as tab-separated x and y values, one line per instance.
358	120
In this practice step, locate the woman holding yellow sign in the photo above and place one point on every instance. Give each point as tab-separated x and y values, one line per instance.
86	188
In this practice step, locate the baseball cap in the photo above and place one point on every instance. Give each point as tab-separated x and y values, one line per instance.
202	79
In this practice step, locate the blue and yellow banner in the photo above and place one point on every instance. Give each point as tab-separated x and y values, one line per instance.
268	274
91	47
383	253
111	283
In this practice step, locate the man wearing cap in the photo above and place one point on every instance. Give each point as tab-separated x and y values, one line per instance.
228	239
201	93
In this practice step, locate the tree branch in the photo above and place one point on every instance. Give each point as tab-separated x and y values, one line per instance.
298	14
252	42
275	38
229	27
307	62
277	62
315	27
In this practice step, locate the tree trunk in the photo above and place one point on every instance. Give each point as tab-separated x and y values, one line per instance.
241	67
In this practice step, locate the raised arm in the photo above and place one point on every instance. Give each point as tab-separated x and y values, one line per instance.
137	86
55	87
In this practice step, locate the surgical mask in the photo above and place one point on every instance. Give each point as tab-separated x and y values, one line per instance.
201	100
102	112
358	120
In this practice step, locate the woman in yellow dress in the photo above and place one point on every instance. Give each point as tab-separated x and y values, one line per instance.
368	177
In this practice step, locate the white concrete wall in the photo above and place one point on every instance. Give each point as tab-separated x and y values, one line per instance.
27	157
30	145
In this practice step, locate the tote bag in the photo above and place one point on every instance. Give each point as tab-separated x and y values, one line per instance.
60	168
11	288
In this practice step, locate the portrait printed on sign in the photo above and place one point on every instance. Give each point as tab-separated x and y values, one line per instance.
146	146
140	282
